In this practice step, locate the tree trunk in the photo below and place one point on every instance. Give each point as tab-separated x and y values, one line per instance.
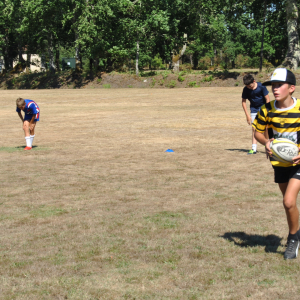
191	60
293	54
50	53
43	62
91	64
78	54
57	59
176	59
262	37
137	58
28	62
21	59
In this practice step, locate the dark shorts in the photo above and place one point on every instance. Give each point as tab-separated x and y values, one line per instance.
28	117
284	174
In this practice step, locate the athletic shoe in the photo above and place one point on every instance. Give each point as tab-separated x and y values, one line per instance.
252	152
27	148
291	251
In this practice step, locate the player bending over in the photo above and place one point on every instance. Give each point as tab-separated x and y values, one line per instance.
31	116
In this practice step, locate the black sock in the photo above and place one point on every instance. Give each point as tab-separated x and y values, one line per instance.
293	237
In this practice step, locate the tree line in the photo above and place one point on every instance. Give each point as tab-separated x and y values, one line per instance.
108	34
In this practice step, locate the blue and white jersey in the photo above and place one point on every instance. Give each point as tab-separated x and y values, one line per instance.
31	108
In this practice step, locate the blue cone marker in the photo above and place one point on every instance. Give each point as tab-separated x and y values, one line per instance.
169	150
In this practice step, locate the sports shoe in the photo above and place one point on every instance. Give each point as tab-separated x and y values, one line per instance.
252	152
291	251
27	148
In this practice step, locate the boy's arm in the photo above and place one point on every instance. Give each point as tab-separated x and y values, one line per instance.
267	98
21	117
260	137
32	121
244	105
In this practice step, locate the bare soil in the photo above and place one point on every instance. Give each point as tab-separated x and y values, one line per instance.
99	210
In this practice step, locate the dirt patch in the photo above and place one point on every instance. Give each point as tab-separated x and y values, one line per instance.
159	79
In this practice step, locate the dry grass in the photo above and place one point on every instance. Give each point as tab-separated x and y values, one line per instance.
99	210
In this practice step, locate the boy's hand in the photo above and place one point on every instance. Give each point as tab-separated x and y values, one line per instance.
249	120
268	150
296	159
31	126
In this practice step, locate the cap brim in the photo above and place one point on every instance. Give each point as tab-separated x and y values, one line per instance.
267	83
273	81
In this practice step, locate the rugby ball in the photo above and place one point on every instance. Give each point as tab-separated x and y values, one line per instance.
284	150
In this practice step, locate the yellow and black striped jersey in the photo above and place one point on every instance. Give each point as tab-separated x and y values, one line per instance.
281	123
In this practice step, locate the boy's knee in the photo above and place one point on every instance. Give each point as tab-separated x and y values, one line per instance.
289	203
25	126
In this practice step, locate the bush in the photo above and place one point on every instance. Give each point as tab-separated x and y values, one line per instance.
185	67
157	63
204	63
171	84
192	84
208	78
181	78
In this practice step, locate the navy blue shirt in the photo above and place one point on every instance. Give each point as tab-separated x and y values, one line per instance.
256	97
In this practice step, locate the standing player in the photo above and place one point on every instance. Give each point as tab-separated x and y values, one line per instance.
31	116
282	116
257	94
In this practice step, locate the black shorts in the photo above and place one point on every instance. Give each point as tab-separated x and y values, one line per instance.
284	174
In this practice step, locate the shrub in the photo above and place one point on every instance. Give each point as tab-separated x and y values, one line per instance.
153	81
157	63
208	78
171	84
106	86
185	67
192	84
165	74
181	78
204	63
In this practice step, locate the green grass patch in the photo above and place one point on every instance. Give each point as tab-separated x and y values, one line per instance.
47	211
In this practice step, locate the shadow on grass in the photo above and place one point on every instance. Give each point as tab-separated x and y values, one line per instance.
22	147
14	149
271	242
244	151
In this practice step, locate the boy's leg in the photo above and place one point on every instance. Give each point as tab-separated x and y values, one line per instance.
26	128
29	133
254	141
32	133
290	192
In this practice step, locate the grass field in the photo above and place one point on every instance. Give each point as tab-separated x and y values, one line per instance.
98	209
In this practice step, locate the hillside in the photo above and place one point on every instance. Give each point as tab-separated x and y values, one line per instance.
157	79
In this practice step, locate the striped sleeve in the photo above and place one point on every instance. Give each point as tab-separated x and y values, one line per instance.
260	123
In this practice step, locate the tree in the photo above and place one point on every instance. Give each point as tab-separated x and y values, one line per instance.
293	53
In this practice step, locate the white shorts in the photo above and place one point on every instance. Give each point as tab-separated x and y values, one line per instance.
253	116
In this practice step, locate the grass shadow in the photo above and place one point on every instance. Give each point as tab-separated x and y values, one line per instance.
238	150
271	242
14	149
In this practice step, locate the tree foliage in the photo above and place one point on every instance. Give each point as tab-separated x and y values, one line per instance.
111	33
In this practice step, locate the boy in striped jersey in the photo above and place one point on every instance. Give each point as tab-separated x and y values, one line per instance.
282	117
31	116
